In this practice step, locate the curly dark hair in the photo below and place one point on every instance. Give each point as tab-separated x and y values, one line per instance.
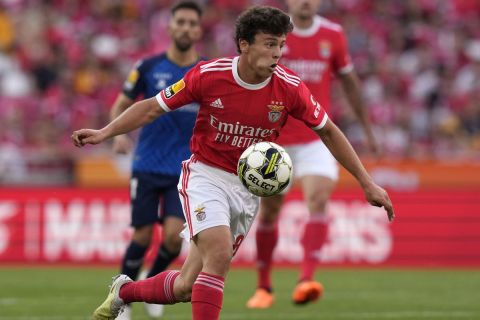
258	19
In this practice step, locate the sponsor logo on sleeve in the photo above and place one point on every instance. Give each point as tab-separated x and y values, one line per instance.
317	105
174	89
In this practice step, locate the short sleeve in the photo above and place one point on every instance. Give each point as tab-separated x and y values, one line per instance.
183	92
342	62
307	109
134	85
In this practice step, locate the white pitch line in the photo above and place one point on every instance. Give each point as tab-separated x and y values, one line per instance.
8	301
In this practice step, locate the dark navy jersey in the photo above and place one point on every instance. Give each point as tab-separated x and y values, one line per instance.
163	144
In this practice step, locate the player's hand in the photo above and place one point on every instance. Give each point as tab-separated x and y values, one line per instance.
87	136
122	144
378	197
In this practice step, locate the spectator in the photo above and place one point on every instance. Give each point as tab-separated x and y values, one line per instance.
45	46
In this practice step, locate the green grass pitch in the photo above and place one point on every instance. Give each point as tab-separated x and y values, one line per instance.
29	293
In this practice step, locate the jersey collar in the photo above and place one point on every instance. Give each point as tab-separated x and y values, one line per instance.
310	31
244	84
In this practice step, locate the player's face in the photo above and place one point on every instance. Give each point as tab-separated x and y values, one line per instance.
184	28
303	9
263	54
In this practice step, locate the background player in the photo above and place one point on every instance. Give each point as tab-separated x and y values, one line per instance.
315	50
234	96
162	146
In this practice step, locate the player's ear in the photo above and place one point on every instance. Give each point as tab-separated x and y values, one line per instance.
199	33
169	28
244	45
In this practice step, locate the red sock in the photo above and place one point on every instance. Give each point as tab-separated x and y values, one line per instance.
314	237
207	297
157	289
266	241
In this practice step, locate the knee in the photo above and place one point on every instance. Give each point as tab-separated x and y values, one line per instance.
318	202
143	235
183	292
173	243
269	211
218	262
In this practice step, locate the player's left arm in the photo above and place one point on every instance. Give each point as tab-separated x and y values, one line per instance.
307	109
343	151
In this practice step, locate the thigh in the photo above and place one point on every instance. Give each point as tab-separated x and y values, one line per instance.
216	249
205	204
212	197
144	198
171	229
316	191
270	208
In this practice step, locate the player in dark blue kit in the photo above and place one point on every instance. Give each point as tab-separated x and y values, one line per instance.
162	146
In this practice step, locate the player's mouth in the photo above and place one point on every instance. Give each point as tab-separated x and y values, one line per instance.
272	67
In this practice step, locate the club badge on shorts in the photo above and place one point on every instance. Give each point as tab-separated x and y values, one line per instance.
276	108
200	213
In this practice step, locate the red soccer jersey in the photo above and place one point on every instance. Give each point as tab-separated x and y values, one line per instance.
314	54
234	114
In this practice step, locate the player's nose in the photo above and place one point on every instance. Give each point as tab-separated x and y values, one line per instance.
277	52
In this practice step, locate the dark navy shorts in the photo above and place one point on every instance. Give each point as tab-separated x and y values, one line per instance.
154	197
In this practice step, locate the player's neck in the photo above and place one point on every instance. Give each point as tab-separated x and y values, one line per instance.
302	23
247	74
182	58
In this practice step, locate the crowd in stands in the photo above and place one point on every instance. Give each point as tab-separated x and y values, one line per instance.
62	63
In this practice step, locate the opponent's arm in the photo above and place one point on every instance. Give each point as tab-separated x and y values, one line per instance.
122	143
122	103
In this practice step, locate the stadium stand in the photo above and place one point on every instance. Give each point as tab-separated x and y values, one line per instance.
61	63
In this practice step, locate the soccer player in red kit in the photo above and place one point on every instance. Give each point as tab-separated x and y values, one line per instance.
315	50
237	97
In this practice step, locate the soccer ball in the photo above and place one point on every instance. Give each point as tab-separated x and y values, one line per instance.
265	169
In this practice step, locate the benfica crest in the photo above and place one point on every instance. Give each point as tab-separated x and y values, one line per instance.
325	49
276	108
200	213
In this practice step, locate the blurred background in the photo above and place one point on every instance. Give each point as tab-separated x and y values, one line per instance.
62	62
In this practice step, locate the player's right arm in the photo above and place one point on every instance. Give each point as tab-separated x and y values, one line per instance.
183	92
138	115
